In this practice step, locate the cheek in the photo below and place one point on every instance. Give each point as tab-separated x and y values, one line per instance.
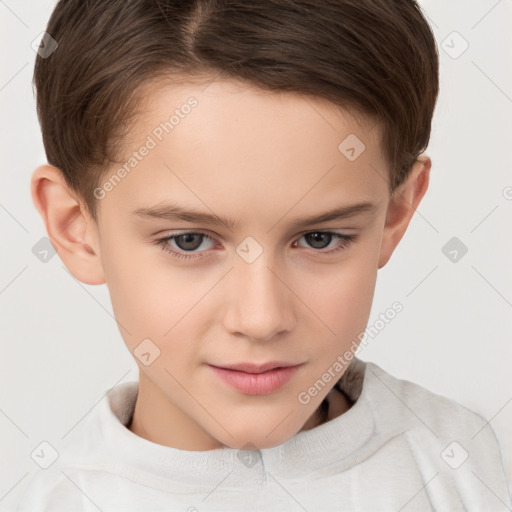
341	297
152	300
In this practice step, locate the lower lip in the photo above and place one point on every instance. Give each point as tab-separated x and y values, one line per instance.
256	383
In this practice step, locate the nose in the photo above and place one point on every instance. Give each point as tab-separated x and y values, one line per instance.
259	304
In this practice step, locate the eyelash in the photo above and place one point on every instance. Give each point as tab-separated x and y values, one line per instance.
345	241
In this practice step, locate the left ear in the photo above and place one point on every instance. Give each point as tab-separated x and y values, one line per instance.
402	204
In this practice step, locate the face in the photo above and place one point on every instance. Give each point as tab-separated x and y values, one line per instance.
252	281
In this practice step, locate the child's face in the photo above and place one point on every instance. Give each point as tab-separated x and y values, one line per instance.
255	292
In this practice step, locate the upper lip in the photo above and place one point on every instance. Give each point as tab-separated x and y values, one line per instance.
255	368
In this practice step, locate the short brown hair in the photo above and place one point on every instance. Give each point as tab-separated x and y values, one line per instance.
376	57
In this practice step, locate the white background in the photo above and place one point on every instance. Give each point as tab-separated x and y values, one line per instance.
61	348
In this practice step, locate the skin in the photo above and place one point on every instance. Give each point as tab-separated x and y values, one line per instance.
261	159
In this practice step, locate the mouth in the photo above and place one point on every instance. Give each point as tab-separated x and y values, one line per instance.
256	379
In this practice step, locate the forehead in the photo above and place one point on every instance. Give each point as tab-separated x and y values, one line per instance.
223	102
226	140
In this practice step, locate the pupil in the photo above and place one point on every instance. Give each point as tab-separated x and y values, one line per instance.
318	238
188	244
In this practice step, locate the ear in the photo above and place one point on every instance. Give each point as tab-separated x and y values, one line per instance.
70	229
402	204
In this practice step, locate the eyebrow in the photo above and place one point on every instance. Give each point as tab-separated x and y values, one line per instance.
169	211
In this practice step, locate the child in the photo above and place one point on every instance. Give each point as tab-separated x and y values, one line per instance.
285	138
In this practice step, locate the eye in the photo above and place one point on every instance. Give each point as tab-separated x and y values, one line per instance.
186	242
190	241
322	240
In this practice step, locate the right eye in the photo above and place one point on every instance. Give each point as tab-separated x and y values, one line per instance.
185	242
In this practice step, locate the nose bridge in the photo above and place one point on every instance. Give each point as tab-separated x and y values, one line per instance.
259	307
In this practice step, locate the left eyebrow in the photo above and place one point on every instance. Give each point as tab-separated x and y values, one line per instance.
344	212
169	211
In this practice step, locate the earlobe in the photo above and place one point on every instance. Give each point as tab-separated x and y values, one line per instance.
70	229
402	205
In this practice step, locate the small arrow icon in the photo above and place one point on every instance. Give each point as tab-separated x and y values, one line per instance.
43	250
44	454
454	44
249	252
146	352
351	147
44	45
248	457
454	249
450	454
454	455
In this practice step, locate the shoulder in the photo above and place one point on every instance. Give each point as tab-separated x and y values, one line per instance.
451	444
53	490
84	459
438	413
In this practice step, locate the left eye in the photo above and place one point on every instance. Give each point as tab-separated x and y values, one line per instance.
318	238
190	241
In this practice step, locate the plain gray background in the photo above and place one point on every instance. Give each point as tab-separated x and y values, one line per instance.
61	349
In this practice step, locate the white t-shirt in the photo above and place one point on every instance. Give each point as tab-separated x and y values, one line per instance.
398	448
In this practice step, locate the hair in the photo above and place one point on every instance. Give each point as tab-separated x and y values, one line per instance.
376	58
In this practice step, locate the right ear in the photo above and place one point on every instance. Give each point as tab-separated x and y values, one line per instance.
71	230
